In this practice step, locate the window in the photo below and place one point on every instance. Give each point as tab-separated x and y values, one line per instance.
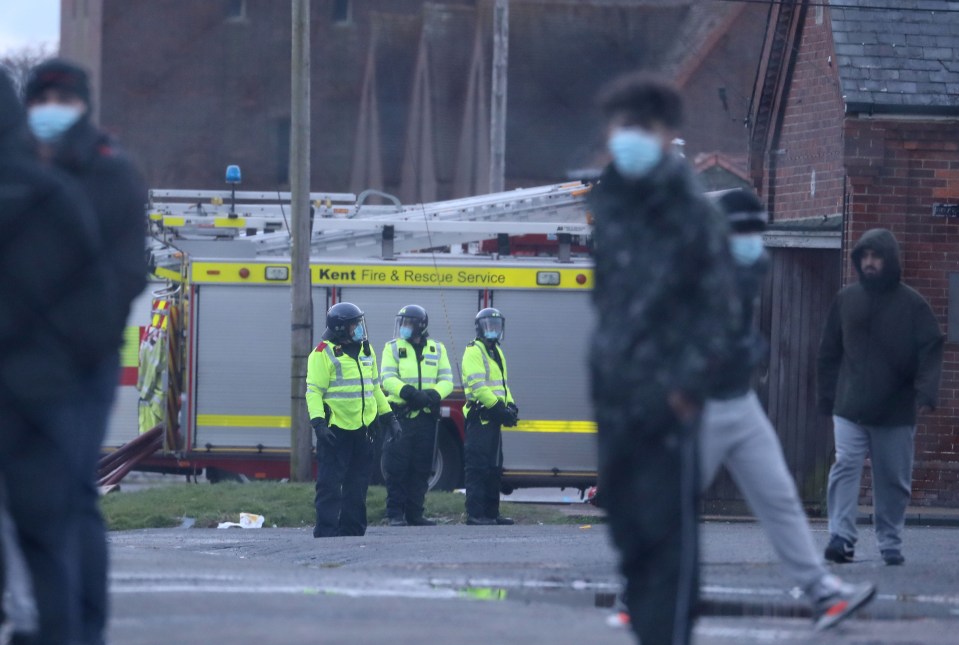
342	12
235	10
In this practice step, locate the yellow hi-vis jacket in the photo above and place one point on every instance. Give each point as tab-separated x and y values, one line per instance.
484	383
400	367
344	390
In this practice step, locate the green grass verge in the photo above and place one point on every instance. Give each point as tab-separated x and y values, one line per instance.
282	504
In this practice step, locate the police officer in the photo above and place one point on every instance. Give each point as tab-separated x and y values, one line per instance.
489	407
416	376
344	399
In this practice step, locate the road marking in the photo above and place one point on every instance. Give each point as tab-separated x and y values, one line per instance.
751	633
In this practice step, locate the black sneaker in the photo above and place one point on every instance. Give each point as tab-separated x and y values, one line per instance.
833	609
839	550
504	521
892	557
398	521
480	521
420	521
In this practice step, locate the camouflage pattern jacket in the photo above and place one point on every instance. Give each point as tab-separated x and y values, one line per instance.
664	295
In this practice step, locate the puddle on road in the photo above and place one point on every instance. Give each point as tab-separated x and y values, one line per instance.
553	595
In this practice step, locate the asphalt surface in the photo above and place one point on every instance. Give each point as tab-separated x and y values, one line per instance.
519	584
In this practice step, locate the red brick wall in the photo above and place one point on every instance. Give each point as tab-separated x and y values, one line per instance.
896	170
804	165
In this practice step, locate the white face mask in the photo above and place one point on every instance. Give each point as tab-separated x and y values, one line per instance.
635	151
746	249
49	121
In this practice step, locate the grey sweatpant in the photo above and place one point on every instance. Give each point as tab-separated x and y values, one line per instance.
891	450
736	433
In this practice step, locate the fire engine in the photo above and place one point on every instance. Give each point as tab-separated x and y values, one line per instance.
209	345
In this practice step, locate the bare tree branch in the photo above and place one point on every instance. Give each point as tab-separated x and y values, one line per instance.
19	61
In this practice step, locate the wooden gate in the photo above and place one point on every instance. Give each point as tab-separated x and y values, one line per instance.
793	307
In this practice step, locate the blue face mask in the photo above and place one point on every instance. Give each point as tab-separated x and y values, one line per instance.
491	335
358	333
746	249
49	121
406	333
635	152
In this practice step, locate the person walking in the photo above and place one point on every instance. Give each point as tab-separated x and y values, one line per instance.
489	407
416	376
665	307
344	400
880	359
737	434
57	98
56	291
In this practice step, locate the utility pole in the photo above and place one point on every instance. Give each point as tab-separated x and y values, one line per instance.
497	139
301	297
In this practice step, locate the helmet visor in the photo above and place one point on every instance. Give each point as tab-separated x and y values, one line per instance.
407	328
356	330
491	328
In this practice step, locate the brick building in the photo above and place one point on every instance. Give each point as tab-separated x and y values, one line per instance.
855	125
400	87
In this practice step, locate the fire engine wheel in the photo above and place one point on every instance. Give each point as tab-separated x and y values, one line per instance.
449	462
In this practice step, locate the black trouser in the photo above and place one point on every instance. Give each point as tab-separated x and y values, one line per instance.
649	485
483	454
43	483
342	479
409	462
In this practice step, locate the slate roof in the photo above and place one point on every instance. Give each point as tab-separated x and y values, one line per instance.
897	56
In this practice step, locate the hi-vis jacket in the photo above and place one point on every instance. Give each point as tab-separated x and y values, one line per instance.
344	390
400	367
484	384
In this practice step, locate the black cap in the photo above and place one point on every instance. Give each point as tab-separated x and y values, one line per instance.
59	74
743	210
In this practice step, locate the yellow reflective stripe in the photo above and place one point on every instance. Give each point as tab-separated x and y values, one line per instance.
243	420
130	353
167	274
543	425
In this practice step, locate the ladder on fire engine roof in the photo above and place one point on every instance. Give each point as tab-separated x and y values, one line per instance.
344	226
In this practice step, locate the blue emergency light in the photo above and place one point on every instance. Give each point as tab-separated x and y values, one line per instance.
233	174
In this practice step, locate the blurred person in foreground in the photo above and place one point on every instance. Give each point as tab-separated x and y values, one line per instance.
55	289
666	306
737	434
57	98
880	360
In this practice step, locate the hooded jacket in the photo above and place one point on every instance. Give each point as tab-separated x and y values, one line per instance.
664	295
881	349
117	193
53	284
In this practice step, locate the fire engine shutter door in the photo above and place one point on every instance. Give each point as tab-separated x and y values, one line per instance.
546	345
380	305
243	367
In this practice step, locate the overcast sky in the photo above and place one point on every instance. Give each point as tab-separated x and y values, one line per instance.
28	22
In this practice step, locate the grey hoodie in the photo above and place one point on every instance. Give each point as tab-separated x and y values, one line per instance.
881	349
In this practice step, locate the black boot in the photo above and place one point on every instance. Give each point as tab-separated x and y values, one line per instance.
420	521
480	521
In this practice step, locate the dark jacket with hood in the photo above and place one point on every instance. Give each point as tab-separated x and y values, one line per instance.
664	296
881	349
53	284
118	195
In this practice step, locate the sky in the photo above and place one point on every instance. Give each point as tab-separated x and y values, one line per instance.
28	23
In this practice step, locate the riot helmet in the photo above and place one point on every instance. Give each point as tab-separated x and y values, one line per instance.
411	322
345	323
490	324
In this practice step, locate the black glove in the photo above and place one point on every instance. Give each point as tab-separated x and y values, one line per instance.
515	410
434	400
500	414
323	432
408	393
390	426
421	399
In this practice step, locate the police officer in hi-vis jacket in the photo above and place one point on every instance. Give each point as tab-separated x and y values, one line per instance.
416	377
489	407
344	400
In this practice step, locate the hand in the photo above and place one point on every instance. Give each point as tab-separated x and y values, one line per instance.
323	432
421	399
408	393
685	408
500	414
435	398
512	408
390	426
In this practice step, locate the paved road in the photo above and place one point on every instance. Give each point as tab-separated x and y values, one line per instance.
520	584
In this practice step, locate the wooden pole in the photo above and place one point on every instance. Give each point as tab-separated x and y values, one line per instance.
302	302
497	158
